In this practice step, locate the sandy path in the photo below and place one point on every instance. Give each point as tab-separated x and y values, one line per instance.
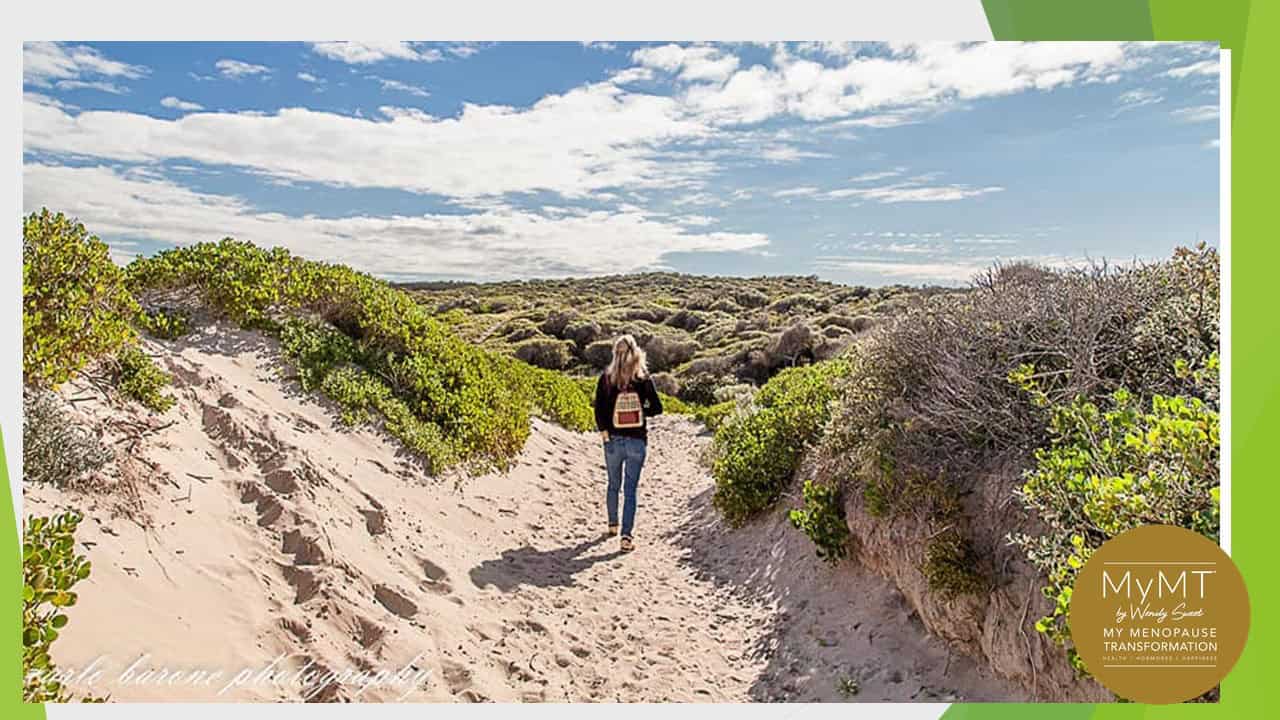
270	529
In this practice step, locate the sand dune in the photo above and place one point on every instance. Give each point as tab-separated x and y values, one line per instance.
248	524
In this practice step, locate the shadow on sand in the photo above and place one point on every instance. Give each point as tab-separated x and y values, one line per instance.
539	568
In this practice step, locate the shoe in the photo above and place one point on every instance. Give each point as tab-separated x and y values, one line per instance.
613	530
627	545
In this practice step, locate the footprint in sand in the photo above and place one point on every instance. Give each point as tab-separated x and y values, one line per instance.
394	601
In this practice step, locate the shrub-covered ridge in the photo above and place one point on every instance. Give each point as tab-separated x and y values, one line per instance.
373	349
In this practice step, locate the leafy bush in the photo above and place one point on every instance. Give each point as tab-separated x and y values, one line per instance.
559	398
469	395
1112	468
755	455
165	324
713	416
752	462
239	279
363	397
822	519
55	448
75	306
50	569
139	378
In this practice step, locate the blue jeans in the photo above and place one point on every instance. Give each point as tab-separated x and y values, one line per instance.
623	458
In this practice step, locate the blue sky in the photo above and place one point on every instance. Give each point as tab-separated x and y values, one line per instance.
865	163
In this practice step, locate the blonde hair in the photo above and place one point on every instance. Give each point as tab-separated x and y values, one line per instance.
628	363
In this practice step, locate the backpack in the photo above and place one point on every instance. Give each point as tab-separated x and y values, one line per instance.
628	412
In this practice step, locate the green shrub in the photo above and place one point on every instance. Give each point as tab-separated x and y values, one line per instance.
755	455
363	398
713	416
237	278
753	460
951	566
139	378
1110	468
470	395
165	324
75	306
558	397
50	569
55	448
822	519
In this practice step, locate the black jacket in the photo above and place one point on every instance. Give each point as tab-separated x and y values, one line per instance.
605	396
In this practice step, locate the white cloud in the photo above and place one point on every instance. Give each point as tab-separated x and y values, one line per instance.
599	45
911	192
100	85
694	63
177	104
463	49
704	199
631	75
238	68
1203	67
910	76
517	243
388	84
697	220
878	175
1134	99
44	63
802	191
367	52
308	77
831	49
789	154
1196	113
883	120
588	139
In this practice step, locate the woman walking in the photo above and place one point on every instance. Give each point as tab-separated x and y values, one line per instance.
625	398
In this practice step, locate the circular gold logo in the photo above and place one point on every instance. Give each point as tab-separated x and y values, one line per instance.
1159	614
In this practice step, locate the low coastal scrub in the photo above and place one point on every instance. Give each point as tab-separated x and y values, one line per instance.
822	519
374	350
371	347
138	378
166	324
757	451
703	333
76	307
77	310
1088	395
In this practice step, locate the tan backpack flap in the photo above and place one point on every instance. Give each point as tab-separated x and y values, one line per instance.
628	412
